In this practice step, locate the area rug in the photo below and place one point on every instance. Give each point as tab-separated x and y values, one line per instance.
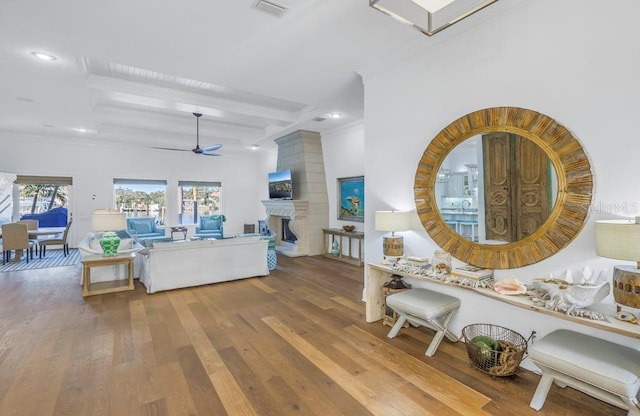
54	258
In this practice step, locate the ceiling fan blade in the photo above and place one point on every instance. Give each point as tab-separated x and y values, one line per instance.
209	154
170	148
212	148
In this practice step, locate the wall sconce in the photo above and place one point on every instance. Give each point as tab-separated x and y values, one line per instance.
392	246
429	16
620	239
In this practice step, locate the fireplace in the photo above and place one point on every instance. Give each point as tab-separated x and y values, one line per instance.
287	235
297	223
289	221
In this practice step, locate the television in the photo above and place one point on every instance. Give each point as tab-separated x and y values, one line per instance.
280	185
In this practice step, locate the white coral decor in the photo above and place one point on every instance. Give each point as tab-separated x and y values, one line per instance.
565	297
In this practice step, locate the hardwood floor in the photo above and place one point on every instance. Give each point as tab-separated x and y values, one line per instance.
292	343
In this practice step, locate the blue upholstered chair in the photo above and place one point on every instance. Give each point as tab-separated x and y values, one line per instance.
145	229
211	226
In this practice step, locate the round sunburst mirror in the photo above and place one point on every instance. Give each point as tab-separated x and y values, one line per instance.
572	183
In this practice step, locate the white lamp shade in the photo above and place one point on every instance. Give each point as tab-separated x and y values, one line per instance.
618	239
108	220
393	220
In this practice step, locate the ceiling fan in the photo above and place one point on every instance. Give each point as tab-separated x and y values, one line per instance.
207	151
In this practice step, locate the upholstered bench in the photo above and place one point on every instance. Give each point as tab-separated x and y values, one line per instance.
602	369
427	308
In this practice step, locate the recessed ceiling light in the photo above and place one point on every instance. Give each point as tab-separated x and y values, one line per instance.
255	146
44	56
81	129
335	115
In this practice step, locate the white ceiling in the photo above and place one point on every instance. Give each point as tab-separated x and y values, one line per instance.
134	71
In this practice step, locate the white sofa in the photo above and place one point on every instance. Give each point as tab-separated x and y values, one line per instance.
180	264
90	246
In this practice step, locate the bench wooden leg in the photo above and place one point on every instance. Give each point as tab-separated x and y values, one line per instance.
435	324
441	331
402	318
539	397
634	410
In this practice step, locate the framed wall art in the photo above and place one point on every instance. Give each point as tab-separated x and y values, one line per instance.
351	198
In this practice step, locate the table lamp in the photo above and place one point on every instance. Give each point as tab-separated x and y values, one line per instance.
109	221
392	246
620	239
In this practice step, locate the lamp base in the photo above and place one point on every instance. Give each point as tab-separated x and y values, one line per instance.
110	243
626	286
393	246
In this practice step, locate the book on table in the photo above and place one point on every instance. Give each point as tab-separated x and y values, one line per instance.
472	272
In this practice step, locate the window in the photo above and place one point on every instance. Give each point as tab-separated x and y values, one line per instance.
141	198
197	199
44	198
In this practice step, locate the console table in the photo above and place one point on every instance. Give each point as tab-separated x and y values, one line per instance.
89	289
331	234
377	275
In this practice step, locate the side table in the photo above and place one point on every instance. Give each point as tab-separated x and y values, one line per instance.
89	289
182	230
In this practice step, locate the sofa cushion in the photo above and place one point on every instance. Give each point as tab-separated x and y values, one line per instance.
142	227
210	224
94	243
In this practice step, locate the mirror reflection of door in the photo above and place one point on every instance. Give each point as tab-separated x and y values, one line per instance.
517	186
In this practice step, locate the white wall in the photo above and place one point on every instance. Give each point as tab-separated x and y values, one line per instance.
93	168
575	61
343	153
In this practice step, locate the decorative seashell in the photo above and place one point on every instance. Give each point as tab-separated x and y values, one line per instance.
602	276
587	275
568	277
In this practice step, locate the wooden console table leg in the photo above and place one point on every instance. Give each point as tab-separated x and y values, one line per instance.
86	278
130	264
375	279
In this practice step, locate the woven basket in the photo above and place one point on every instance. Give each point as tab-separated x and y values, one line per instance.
503	362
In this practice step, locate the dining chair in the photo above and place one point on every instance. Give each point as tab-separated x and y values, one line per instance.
15	236
57	240
32	225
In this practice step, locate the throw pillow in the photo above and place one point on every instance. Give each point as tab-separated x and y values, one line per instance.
94	243
209	224
142	227
125	244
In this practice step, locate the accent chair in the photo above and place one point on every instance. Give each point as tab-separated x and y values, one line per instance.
57	240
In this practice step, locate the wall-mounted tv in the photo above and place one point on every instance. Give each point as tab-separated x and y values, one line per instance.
280	186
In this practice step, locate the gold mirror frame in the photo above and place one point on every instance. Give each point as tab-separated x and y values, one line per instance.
575	187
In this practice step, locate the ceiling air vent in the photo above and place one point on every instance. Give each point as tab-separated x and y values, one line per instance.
270	7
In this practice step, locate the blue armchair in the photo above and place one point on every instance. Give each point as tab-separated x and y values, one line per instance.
211	226
145	228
